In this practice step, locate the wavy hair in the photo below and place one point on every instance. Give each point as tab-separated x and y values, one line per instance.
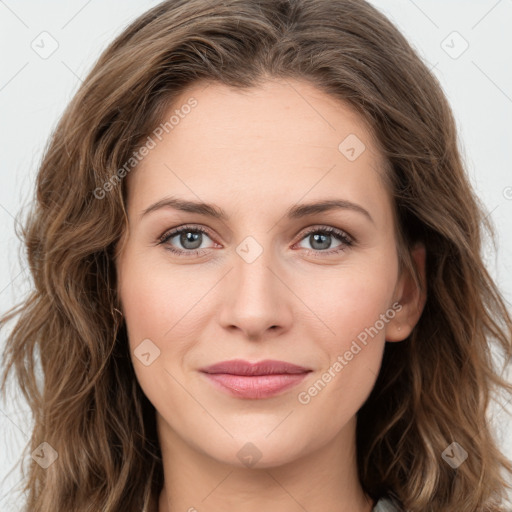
433	389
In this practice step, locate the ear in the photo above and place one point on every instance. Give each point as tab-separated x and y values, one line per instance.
410	296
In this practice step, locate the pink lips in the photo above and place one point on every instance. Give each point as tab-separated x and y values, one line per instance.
255	380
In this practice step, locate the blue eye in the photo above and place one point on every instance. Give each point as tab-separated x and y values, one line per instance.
189	236
322	237
191	239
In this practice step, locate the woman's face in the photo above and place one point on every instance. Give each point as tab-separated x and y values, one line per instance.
268	282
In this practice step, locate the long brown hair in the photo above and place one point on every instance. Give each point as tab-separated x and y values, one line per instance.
433	389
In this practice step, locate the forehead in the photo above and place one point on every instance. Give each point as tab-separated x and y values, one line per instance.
252	145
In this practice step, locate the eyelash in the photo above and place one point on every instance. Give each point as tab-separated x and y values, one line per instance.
326	230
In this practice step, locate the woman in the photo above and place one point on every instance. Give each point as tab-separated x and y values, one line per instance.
248	370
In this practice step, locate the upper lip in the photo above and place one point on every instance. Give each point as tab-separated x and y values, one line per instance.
266	367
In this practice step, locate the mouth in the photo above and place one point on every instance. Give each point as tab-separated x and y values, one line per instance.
263	379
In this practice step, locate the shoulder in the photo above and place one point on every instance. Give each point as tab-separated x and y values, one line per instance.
385	505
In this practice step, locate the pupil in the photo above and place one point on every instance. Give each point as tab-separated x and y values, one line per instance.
318	237
190	237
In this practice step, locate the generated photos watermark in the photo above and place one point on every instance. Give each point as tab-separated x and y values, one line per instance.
304	397
143	151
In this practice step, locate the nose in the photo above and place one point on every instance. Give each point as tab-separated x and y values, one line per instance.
255	299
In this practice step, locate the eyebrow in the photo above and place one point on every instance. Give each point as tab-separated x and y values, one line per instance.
294	212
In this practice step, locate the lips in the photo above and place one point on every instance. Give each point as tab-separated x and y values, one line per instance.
266	367
263	379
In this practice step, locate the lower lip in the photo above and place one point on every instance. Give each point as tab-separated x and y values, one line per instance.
254	387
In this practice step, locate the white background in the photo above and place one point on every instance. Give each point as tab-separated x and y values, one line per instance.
34	92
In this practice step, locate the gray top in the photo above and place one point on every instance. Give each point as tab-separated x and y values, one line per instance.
384	505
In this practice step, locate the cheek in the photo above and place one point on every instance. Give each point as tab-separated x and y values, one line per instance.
156	302
354	309
155	298
350	301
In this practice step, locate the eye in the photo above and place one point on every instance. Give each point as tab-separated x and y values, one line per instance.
190	238
320	239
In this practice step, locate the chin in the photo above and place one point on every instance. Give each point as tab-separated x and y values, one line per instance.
256	452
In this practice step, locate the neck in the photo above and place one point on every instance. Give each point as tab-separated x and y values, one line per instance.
324	479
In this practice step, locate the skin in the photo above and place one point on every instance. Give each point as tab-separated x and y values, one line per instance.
255	153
